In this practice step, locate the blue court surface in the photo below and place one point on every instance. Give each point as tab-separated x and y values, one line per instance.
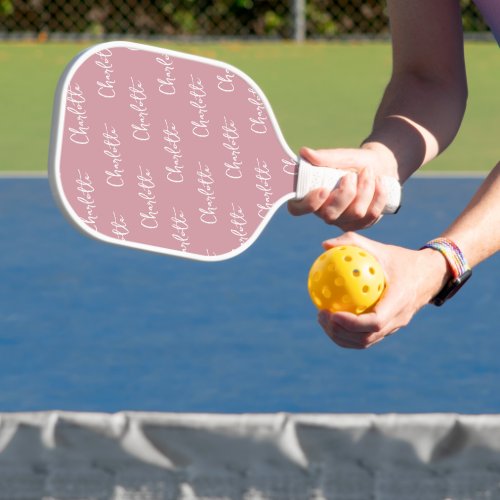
86	326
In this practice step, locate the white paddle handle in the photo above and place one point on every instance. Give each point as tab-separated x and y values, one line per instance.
312	177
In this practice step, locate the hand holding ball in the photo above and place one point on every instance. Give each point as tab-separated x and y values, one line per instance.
346	278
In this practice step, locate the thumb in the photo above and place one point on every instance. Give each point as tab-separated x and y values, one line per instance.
353	159
349	238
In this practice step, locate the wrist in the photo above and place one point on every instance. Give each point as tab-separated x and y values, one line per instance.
457	265
437	273
388	165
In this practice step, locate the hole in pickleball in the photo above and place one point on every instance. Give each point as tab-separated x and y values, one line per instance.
317	276
339	281
366	289
363	254
356	273
317	300
348	258
327	293
372	270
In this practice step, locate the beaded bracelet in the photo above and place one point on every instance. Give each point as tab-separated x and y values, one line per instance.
459	267
452	254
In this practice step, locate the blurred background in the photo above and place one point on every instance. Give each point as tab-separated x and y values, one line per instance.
323	64
283	19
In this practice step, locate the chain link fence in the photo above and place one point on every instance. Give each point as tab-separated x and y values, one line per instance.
284	19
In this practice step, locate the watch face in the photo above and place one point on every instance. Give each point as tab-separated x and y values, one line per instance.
451	288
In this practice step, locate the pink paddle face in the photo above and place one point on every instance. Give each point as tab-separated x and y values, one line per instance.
167	152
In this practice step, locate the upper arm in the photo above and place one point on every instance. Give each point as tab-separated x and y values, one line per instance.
427	40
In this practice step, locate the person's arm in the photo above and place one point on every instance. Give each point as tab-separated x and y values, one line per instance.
424	103
419	115
477	230
414	277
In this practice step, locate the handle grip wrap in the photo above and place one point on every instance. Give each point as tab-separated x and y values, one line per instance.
312	177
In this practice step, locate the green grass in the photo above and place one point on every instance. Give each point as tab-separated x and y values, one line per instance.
324	95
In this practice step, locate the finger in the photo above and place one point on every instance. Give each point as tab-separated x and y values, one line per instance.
339	199
364	195
362	324
338	334
348	338
362	340
310	203
379	200
383	320
338	158
313	156
348	238
373	213
342	340
358	224
345	344
353	340
356	215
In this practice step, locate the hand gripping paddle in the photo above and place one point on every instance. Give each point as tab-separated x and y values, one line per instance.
172	153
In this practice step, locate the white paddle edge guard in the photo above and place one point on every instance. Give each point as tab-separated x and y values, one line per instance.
312	177
57	130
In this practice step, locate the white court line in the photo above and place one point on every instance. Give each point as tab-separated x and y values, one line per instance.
431	174
453	174
11	174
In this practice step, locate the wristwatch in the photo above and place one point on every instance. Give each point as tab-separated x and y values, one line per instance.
459	267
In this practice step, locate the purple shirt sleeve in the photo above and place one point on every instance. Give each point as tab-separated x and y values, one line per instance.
490	9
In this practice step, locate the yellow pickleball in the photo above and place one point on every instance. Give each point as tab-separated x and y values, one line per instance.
346	278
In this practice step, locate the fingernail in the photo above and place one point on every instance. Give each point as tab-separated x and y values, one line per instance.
324	194
307	150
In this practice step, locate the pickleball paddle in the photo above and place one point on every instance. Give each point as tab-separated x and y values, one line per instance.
173	153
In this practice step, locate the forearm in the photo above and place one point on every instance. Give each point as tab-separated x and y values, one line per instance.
477	230
416	121
424	103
